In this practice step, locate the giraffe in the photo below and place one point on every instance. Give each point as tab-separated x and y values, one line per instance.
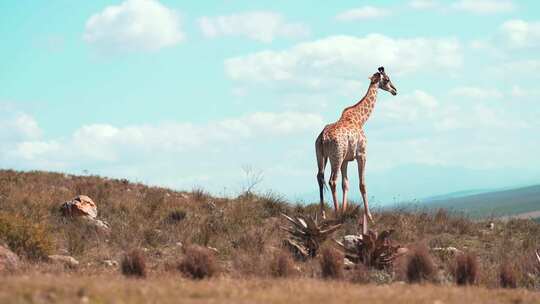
344	141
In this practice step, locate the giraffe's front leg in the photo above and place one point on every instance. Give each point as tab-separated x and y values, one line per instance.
361	160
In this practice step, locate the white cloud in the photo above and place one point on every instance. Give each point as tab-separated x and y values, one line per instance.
134	25
17	126
480	7
103	142
420	128
520	92
521	34
484	6
30	150
408	108
175	154
513	35
419	111
339	62
363	13
476	93
423	4
263	26
520	68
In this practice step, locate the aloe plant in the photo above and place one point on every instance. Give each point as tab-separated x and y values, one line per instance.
306	234
371	249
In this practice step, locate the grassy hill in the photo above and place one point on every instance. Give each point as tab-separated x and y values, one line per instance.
243	236
512	202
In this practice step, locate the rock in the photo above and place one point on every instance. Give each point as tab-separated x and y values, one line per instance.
99	224
452	250
110	263
348	263
350	242
81	205
9	261
84	207
402	250
64	259
213	249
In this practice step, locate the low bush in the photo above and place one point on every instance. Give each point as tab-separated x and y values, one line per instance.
466	269
419	265
198	263
133	264
282	265
507	275
175	216
331	264
25	237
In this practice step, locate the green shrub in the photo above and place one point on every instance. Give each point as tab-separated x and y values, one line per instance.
25	237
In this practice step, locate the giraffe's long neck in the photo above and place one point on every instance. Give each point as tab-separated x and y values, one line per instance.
363	109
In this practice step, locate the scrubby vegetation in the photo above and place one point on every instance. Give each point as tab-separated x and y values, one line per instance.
25	237
466	269
198	263
508	275
418	265
282	265
331	264
133	264
193	235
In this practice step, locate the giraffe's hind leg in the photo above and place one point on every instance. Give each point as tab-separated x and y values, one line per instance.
335	166
344	185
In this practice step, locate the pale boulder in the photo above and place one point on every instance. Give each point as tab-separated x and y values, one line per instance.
9	261
67	260
81	205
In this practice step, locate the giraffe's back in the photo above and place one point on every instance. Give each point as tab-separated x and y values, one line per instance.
341	140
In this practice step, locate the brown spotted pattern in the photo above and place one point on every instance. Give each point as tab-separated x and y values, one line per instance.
344	141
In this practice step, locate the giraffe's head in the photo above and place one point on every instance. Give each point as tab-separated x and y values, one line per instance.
383	81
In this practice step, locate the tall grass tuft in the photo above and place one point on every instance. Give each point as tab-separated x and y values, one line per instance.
133	264
198	263
331	264
466	269
507	275
282	265
418	265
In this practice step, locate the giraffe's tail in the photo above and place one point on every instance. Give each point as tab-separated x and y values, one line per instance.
321	164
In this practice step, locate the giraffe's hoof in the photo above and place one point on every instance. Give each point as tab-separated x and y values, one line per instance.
370	218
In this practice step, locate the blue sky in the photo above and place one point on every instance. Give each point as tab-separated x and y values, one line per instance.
186	94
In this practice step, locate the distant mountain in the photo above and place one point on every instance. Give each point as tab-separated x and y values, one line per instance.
456	194
518	202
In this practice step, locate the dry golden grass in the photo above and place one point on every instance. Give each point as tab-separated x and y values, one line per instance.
244	231
174	289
